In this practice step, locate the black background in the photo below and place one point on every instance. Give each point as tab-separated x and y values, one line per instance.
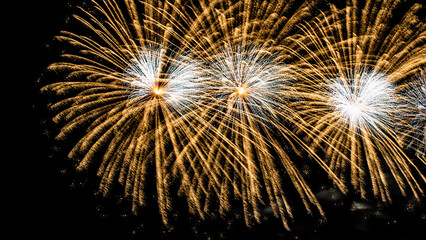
47	203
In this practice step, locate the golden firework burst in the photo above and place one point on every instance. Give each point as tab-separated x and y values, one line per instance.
351	70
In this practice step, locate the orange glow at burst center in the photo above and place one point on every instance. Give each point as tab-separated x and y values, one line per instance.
158	91
241	90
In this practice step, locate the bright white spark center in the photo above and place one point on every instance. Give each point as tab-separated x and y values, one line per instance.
363	98
178	84
354	110
158	91
241	90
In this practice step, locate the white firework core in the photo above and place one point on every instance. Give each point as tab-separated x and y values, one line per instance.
363	98
249	74
178	84
159	91
241	90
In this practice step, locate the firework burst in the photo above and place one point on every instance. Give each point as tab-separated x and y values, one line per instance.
247	106
250	92
136	98
350	98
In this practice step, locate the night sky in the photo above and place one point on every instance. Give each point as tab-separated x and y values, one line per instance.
50	201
